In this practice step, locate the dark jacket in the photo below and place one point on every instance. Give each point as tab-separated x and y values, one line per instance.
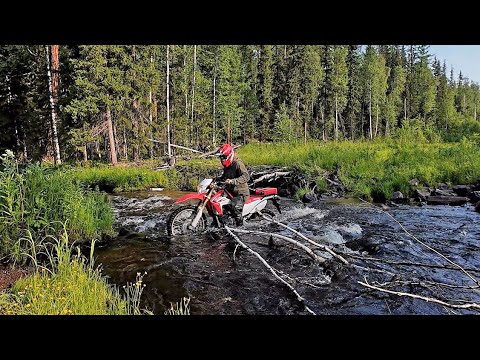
238	173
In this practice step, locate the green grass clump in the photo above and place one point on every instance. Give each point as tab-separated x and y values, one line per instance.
68	284
375	169
184	176
40	199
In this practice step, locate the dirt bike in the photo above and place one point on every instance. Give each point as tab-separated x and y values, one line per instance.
213	198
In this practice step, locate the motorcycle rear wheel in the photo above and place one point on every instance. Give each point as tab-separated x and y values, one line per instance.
178	222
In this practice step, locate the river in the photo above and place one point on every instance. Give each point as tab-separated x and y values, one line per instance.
202	267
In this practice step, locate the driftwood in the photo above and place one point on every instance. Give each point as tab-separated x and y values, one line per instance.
272	176
285	238
177	146
447	200
323	247
264	262
428	299
211	153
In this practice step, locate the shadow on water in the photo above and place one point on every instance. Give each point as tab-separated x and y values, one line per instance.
203	269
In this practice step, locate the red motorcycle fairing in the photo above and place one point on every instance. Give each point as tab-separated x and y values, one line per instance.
191	196
215	204
252	198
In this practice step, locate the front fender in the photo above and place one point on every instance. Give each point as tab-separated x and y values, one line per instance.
190	196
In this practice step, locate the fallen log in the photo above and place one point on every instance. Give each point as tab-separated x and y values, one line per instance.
447	200
274	175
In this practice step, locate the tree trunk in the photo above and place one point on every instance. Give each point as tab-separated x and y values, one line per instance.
136	147
298	115
193	90
352	130
52	72
150	115
370	115
214	103
97	150
305	132
405	108
117	146
85	154
376	123
168	105
324	135
125	147
185	79
111	138
336	118
228	131
24	141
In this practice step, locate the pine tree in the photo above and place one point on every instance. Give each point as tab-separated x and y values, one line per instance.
353	108
339	83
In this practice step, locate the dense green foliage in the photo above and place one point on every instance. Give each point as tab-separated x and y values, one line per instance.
377	169
240	93
40	199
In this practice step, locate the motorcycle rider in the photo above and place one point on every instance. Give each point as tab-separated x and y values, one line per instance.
235	175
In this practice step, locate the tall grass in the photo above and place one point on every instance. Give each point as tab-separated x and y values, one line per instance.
376	169
39	200
184	176
67	284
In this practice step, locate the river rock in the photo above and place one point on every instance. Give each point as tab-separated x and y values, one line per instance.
462	190
414	182
477	206
422	194
309	197
475	196
443	192
447	200
444	187
397	196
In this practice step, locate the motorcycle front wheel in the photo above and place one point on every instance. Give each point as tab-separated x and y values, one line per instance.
179	221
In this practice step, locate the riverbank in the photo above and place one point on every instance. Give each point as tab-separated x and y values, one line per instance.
373	170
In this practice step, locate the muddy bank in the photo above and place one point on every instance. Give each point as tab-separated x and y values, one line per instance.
203	269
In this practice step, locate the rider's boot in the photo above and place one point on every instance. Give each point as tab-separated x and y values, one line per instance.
239	220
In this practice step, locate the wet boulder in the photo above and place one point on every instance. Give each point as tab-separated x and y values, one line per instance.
309	197
414	182
462	190
475	196
422	194
397	196
477	206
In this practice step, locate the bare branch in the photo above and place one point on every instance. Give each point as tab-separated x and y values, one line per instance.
236	247
299	298
323	247
294	242
428	299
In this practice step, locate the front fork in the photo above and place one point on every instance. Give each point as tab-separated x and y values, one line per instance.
195	221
